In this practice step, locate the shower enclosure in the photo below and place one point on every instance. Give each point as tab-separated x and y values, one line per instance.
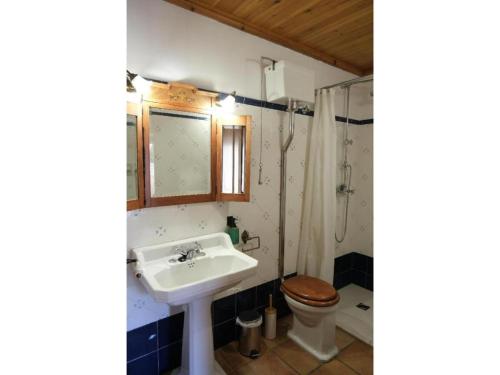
344	188
354	107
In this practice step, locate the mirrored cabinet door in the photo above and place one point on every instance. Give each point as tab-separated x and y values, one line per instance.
233	158
180	154
135	174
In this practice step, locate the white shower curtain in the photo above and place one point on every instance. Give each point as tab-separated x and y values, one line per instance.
317	234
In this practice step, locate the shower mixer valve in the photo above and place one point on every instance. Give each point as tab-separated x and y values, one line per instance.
343	189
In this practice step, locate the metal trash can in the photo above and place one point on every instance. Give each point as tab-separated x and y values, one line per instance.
250	322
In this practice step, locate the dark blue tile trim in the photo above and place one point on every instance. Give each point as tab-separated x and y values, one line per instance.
246	300
353	268
276	106
147	365
142	340
353	121
170	329
170	357
282	107
224	309
263	292
224	333
157	347
282	307
365	122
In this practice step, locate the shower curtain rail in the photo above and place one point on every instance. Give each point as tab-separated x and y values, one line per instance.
349	83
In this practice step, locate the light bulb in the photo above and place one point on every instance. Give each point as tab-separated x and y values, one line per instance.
228	103
141	85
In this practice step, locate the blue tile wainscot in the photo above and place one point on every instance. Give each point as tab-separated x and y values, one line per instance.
156	348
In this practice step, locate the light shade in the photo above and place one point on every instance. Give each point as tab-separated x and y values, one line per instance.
141	85
228	103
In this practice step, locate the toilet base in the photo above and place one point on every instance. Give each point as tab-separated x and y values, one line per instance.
314	329
322	356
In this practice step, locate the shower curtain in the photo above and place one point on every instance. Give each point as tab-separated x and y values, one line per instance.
317	234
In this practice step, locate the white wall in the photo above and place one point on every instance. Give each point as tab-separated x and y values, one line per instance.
169	43
172	44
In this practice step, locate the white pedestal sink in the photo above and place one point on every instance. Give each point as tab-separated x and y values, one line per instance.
193	284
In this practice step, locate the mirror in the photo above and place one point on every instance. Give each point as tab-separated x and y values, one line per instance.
233	145
179	147
190	156
135	179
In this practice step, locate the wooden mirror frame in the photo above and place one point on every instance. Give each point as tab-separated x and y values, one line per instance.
245	121
135	109
187	98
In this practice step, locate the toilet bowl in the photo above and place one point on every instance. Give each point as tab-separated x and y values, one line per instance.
313	303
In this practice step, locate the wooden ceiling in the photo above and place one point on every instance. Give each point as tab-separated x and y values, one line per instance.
338	32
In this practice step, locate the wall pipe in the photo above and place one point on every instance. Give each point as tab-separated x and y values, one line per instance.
292	106
349	82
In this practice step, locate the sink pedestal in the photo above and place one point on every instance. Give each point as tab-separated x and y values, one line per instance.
192	285
197	340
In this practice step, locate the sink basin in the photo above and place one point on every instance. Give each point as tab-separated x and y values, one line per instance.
192	284
178	283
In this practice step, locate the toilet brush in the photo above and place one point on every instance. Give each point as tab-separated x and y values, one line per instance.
270	321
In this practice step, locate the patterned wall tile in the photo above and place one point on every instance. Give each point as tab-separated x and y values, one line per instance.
260	216
359	235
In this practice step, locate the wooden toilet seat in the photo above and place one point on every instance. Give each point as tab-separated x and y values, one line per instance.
310	291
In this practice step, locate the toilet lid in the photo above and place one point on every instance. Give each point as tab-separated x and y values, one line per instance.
309	288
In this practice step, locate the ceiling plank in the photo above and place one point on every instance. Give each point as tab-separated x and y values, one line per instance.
340	36
249	7
266	34
304	8
351	46
360	17
226	6
323	14
281	11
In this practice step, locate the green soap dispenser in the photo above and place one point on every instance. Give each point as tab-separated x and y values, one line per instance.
233	230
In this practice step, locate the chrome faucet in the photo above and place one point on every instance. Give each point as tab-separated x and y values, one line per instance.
191	253
188	254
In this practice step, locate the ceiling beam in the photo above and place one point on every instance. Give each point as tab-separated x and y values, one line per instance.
266	34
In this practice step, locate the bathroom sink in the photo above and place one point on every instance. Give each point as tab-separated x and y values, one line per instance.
177	283
172	278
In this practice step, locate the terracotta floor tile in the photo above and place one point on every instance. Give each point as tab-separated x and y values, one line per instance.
334	367
245	370
282	327
270	364
229	357
264	347
358	356
343	339
222	362
296	357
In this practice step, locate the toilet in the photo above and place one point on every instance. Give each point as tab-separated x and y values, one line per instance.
313	303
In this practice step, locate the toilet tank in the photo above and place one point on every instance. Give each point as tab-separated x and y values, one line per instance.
288	80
